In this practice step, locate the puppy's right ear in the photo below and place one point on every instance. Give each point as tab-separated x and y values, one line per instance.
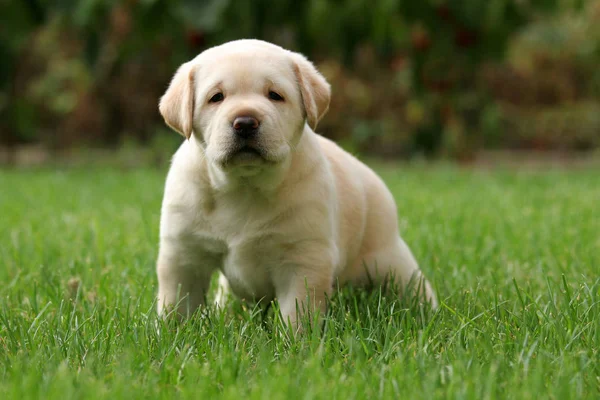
177	104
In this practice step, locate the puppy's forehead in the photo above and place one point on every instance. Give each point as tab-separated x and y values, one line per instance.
250	66
244	46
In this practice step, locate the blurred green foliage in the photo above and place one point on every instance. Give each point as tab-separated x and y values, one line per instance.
434	77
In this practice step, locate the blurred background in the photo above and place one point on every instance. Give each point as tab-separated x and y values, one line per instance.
466	80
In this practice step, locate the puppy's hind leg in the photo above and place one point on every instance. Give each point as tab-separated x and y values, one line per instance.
396	261
223	291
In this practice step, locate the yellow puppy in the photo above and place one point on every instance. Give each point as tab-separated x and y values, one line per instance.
256	194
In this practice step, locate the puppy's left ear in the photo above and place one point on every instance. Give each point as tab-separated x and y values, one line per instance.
315	90
177	104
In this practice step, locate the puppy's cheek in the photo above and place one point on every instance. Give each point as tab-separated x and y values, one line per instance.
212	153
210	135
292	130
200	136
294	124
275	139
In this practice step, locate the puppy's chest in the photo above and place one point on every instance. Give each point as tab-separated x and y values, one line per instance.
236	221
252	249
248	269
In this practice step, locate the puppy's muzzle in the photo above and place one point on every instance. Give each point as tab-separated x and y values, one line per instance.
245	127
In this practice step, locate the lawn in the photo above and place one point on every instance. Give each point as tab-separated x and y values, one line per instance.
514	256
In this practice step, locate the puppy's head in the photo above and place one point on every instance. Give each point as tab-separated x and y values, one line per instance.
246	102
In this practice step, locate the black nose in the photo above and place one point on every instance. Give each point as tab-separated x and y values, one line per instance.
245	127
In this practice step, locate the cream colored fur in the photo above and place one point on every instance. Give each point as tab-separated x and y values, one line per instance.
286	225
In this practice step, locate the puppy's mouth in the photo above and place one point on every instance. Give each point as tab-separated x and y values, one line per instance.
249	151
246	155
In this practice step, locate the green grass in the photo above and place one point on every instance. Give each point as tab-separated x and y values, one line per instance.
515	258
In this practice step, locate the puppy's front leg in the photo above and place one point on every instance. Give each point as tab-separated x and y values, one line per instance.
303	287
183	278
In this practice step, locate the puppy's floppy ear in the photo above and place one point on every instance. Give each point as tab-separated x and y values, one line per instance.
315	90
177	104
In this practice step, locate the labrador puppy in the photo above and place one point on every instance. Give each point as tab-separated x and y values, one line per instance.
254	193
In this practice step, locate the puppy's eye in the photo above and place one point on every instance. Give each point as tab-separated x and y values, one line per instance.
275	96
216	98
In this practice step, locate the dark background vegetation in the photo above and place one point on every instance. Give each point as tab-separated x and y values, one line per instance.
433	77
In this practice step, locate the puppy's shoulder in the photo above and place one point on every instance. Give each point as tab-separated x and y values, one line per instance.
188	164
187	179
